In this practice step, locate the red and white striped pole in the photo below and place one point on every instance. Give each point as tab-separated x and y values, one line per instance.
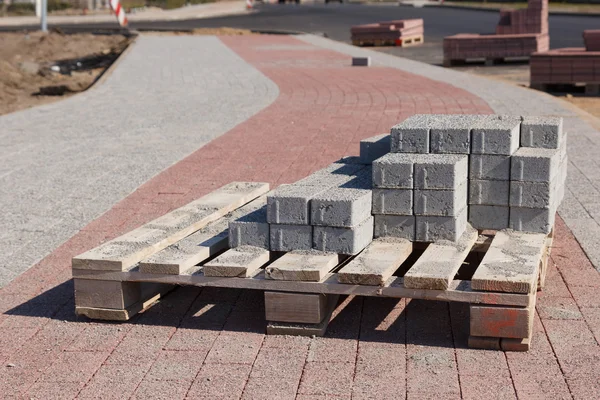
248	4
119	11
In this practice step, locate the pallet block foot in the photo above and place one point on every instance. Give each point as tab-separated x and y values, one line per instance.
150	294
485	343
592	89
508	344
327	304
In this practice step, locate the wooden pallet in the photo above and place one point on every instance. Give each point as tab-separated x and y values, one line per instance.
301	290
401	42
486	61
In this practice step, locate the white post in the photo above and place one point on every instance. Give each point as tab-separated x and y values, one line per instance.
38	8
44	16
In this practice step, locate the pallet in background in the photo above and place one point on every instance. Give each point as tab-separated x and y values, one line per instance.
400	42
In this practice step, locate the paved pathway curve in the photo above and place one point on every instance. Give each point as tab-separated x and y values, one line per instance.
581	206
206	343
64	164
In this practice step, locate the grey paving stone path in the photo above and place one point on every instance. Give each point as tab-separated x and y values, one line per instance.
64	164
581	206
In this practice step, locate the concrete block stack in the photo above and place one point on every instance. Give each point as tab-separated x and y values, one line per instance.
424	182
533	19
565	66
329	210
388	32
591	37
420	188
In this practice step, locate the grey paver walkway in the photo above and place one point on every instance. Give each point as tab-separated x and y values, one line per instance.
581	206
64	164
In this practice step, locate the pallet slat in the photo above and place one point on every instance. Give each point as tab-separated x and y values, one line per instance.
511	264
125	251
438	265
197	247
300	265
239	262
459	291
376	263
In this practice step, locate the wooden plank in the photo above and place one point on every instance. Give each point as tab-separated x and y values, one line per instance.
283	328
240	262
545	260
199	246
438	265
300	308
501	322
110	314
485	343
511	264
376	263
106	294
302	265
510	344
459	291
125	251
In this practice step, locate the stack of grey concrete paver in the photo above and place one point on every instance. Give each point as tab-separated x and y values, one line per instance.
329	210
429	178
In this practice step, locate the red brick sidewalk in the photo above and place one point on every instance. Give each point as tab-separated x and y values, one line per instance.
210	343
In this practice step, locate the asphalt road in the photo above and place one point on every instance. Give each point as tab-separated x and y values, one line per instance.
335	20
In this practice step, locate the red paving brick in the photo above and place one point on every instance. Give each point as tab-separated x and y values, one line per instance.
209	343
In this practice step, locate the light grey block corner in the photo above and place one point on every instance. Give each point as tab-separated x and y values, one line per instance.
373	148
250	230
394	171
400	226
489	167
392	201
361	61
491	193
489	217
343	240
441	171
341	207
542	132
451	134
540	220
440	202
533	194
535	164
290	237
411	135
496	134
431	228
290	204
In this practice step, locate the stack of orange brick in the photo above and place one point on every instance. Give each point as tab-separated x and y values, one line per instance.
390	31
518	34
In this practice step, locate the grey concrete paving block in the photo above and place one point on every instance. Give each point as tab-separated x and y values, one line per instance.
334	174
394	171
432	229
341	207
489	217
539	220
440	202
491	193
496	134
290	204
544	132
290	237
400	226
411	135
361	61
250	230
392	201
452	134
440	171
343	240
533	194
373	148
535	165
489	167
